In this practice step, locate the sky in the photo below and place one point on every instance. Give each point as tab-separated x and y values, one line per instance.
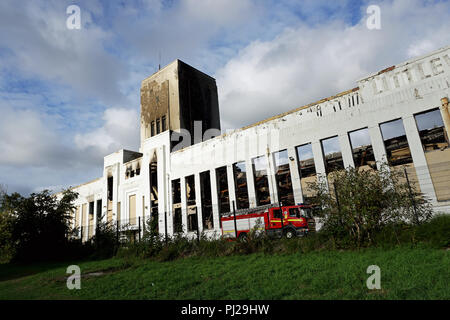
68	97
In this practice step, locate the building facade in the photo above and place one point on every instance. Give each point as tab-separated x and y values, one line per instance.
187	173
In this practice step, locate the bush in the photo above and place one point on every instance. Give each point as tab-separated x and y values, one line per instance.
357	204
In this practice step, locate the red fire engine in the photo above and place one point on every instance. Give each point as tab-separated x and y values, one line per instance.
276	221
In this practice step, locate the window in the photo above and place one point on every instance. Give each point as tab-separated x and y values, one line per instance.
163	123
158	127
307	170
240	180
205	189
110	188
176	191
435	145
190	190
332	154
396	144
153	128
261	182
99	209
431	130
294	212
277	213
177	221
362	150
283	178
222	190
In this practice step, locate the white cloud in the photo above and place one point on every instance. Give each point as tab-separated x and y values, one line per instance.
307	63
40	45
120	130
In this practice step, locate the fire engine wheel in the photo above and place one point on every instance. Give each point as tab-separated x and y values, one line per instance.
289	233
243	237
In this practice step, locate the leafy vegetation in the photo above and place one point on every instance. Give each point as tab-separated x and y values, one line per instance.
355	204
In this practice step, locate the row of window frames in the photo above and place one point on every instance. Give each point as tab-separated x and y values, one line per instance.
158	126
433	113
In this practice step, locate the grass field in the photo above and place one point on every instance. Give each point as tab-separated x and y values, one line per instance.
406	273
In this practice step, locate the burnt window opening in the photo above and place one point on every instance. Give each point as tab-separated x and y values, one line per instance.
396	143
153	128
307	171
362	150
261	181
283	178
158	127
192	219
177	221
240	181
332	154
192	222
163	123
190	190
153	176
434	138
205	191
99	209
176	191
176	200
110	188
222	191
91	207
432	130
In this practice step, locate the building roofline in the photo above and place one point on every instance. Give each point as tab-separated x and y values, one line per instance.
343	93
410	61
177	61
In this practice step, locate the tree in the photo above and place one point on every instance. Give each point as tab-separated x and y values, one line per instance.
40	224
6	227
356	203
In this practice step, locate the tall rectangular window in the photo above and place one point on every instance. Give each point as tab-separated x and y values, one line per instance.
158	126
397	149
163	123
261	182
205	191
240	180
431	130
307	170
222	190
152	128
435	145
176	204
192	222
362	150
283	178
99	209
396	143
176	191
332	154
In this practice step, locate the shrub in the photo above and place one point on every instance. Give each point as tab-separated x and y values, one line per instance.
356	204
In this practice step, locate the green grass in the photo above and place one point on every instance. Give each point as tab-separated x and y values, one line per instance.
406	273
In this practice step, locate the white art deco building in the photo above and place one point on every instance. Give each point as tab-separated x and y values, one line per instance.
186	173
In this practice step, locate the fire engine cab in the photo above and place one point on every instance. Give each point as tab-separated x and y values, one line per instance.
275	221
